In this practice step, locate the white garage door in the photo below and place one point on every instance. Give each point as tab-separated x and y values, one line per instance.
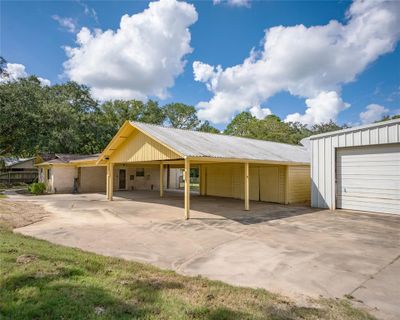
368	178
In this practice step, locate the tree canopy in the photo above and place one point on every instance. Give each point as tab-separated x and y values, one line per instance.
64	118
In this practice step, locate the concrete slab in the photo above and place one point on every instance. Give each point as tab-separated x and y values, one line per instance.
293	250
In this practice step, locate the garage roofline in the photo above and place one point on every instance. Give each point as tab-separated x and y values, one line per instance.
358	128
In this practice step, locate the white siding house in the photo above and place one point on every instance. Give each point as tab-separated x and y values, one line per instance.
357	168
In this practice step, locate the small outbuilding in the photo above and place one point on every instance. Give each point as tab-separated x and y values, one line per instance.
357	168
17	170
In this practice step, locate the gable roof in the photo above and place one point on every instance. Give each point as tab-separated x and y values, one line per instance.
61	158
201	144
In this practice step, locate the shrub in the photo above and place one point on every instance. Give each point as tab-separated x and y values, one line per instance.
37	188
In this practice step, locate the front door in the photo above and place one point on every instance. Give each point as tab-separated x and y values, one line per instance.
122	179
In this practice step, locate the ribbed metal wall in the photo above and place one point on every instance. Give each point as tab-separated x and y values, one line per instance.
323	155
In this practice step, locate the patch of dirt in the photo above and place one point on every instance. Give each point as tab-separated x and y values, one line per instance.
25	258
19	214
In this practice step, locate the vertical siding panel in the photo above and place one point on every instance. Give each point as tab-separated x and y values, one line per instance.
314	173
365	137
139	147
383	138
332	205
349	139
392	134
398	133
342	140
357	138
374	139
299	184
328	169
321	171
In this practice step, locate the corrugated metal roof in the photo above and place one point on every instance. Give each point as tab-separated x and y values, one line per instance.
363	127
10	161
201	144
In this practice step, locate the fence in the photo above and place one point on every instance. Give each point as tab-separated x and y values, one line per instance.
12	177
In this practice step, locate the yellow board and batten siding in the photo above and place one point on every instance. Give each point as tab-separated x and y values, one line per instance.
139	147
299	184
267	182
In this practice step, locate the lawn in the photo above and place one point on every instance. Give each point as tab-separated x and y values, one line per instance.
40	280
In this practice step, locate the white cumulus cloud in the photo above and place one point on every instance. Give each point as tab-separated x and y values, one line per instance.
140	59
68	24
372	113
320	109
260	113
308	62
17	71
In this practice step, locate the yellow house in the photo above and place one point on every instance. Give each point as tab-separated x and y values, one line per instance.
139	154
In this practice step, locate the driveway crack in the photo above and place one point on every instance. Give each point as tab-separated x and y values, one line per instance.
374	275
178	267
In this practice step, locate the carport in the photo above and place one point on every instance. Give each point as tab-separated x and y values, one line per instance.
232	167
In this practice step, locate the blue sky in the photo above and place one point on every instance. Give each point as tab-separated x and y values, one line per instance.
221	34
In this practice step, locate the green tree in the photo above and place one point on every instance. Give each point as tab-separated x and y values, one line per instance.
327	127
386	118
115	113
61	118
241	125
181	116
21	115
272	128
207	127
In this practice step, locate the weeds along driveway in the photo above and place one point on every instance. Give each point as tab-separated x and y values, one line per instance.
295	251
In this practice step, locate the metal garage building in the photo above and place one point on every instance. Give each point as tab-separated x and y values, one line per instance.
357	168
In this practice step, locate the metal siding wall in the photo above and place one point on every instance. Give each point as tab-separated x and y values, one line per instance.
321	173
332	175
314	173
323	158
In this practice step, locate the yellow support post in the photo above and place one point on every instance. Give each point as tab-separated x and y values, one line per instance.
161	180
202	180
187	188
110	175
246	187
108	182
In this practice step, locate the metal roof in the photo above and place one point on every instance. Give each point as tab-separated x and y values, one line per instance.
10	161
201	144
363	127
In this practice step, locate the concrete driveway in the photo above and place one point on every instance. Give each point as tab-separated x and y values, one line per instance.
295	251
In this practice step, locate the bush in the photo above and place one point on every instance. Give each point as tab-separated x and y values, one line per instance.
37	188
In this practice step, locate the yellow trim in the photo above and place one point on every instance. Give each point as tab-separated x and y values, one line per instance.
187	188
155	139
116	136
239	160
246	187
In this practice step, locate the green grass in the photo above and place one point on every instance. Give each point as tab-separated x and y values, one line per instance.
2	196
56	282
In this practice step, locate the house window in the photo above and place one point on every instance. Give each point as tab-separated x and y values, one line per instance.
49	174
139	172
